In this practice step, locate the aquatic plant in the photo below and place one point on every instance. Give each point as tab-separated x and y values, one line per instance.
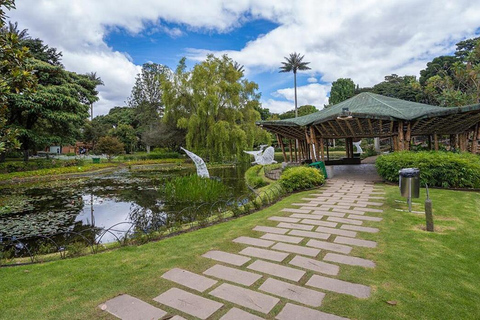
194	189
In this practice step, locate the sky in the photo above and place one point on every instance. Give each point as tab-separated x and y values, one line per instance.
362	40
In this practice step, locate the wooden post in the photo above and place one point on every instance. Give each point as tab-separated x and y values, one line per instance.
309	143
475	137
435	141
314	140
429	142
322	152
401	144
296	150
408	137
280	141
290	149
328	153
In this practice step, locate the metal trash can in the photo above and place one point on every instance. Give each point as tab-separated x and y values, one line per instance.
409	182
96	160
321	166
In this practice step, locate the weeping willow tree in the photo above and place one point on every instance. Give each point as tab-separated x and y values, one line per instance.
215	105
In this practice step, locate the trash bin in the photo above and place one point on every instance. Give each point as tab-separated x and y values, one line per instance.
321	166
96	160
409	182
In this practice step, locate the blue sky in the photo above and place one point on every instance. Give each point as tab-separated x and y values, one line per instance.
364	41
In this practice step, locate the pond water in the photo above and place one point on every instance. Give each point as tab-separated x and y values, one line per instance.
119	201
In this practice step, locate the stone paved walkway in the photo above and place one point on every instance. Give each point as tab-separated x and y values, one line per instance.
292	265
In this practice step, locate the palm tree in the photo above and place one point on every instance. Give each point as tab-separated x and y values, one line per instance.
294	63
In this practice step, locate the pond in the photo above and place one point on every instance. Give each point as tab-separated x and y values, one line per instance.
106	207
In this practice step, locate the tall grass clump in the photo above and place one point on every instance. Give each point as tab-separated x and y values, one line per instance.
301	178
253	177
438	169
195	189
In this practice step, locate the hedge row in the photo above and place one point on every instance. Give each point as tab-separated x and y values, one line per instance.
152	156
438	169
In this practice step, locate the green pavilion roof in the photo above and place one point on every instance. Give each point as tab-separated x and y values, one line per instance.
368	105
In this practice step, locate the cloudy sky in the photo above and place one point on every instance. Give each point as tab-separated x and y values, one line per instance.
363	40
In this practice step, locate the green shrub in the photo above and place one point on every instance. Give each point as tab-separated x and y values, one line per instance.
194	189
254	177
301	178
437	169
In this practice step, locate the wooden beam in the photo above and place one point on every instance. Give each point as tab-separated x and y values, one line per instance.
380	125
280	140
360	127
290	149
391	126
296	150
313	138
475	138
341	128
435	141
322	151
370	126
400	136
309	142
347	122
408	137
333	128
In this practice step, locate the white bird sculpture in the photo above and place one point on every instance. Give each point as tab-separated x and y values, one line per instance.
202	170
263	157
357	145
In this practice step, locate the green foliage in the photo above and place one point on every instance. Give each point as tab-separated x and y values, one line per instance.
18	166
342	89
254	178
437	169
111	146
301	178
400	87
194	189
125	134
216	107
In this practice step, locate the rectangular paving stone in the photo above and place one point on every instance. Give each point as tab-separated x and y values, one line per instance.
294	226
320	223
246	298
315	265
358	210
294	312
306	216
352	261
329	246
233	275
264	254
328	213
366	218
290	291
189	279
335	285
277	270
355	242
131	308
311	208
296	210
337	231
226	257
310	234
345	220
254	242
370	203
238	314
190	303
284	219
282	238
270	229
358	228
177	318
296	249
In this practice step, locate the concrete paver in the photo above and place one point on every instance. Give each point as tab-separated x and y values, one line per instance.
307	216
353	261
284	219
329	246
296	249
238	314
366	218
355	242
190	303
335	285
264	254
315	265
226	257
345	220
245	297
282	238
296	210
277	270
361	229
310	234
294	226
254	242
233	275
293	292
320	223
130	308
328	213
294	312
189	279
270	229
337	231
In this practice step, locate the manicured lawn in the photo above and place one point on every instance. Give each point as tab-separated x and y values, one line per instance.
429	275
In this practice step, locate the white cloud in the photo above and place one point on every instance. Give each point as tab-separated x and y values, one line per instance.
361	40
312	80
313	94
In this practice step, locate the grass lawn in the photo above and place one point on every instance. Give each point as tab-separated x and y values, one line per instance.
429	275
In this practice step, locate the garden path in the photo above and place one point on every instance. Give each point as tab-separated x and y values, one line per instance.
285	272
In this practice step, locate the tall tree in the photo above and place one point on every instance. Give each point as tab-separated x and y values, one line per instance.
216	107
342	89
302	111
294	63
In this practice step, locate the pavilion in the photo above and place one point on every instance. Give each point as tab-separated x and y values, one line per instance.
370	115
